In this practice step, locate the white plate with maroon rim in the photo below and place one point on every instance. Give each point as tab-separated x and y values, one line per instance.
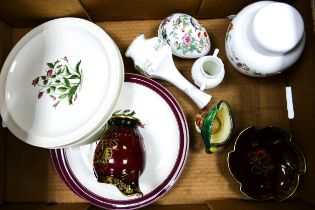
166	140
56	71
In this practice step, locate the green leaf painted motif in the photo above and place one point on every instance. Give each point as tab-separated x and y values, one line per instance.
67	82
62	89
70	97
58	72
74	77
67	70
77	67
53	88
50	65
63	96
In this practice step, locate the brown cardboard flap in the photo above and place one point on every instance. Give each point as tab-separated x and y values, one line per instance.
2	163
236	204
102	10
31	177
21	13
301	78
5	38
5	42
68	206
169	207
221	9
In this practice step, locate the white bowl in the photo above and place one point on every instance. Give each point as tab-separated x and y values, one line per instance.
60	83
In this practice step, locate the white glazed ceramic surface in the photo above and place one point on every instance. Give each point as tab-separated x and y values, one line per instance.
186	36
208	71
60	83
166	140
153	58
262	41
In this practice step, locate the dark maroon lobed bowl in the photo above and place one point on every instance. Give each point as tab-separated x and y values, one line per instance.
266	163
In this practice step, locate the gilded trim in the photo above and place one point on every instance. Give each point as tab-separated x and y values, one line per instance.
126	189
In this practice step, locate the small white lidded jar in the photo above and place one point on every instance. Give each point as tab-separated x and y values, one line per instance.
208	71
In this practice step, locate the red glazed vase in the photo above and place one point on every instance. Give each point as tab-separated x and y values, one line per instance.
119	157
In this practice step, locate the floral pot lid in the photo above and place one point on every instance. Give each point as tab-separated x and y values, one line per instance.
60	83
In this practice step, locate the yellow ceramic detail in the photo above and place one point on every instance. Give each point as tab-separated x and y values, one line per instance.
213	149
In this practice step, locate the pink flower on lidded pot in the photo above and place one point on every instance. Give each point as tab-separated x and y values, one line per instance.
186	40
186	36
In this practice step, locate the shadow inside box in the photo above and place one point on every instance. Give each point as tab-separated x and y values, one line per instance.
222	165
29	174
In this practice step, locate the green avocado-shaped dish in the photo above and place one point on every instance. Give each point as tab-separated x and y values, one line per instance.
216	126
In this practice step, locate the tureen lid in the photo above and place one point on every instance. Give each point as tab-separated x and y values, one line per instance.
60	83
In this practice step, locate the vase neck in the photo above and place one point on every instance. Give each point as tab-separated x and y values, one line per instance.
125	121
134	44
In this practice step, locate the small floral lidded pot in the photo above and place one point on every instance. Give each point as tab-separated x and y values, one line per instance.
186	36
119	157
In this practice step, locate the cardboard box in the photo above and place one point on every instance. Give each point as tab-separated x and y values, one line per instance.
27	177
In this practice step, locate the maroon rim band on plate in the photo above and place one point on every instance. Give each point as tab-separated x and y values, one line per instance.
63	168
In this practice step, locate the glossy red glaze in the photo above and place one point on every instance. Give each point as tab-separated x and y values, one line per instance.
119	157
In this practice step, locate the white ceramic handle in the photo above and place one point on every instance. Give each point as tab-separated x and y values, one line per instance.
216	52
203	86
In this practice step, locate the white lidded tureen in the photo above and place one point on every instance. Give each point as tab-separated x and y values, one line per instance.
265	38
60	83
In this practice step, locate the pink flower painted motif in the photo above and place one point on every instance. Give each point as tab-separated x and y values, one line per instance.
60	81
166	20
49	73
40	94
56	104
187	39
35	81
